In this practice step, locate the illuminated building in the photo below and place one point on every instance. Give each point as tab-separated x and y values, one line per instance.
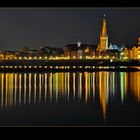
45	49
112	53
56	52
103	44
73	50
33	53
135	51
139	41
116	47
103	50
125	54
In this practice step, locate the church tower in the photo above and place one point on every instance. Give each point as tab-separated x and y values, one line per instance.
103	45
138	41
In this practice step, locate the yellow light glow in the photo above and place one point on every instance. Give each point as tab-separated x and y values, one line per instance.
35	57
51	57
88	57
103	91
57	58
87	50
74	57
25	57
30	57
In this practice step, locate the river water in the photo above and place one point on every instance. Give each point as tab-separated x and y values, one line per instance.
70	99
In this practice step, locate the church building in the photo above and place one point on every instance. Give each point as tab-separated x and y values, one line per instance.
103	44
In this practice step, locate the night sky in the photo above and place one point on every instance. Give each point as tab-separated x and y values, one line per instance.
56	27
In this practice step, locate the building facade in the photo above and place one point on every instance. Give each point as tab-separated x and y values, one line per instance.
135	51
103	44
74	51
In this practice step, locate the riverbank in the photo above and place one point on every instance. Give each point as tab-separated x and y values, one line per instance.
68	65
27	69
82	62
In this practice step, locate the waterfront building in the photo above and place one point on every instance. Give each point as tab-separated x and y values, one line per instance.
139	41
79	51
116	51
108	51
125	54
33	53
103	44
56	52
116	47
135	51
45	49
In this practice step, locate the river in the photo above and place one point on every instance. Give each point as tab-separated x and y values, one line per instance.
70	99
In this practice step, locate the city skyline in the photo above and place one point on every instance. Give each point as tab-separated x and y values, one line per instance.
69	66
56	27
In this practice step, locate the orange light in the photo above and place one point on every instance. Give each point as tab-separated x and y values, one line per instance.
87	50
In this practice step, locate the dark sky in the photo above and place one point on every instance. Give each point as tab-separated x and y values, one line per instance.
56	27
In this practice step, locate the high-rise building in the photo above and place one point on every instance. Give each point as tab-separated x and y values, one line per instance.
103	44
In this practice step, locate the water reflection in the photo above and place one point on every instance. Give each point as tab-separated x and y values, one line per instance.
103	90
18	89
135	85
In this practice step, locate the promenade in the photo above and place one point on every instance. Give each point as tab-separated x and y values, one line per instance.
69	65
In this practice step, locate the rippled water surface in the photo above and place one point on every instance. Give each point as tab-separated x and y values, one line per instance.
70	98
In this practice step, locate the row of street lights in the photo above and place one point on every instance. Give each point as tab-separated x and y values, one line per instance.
52	57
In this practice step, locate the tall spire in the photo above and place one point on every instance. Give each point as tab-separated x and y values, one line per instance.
103	44
104	30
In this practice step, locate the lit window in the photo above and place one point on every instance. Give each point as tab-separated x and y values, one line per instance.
87	50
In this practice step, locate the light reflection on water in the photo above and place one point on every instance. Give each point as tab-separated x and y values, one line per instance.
30	88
